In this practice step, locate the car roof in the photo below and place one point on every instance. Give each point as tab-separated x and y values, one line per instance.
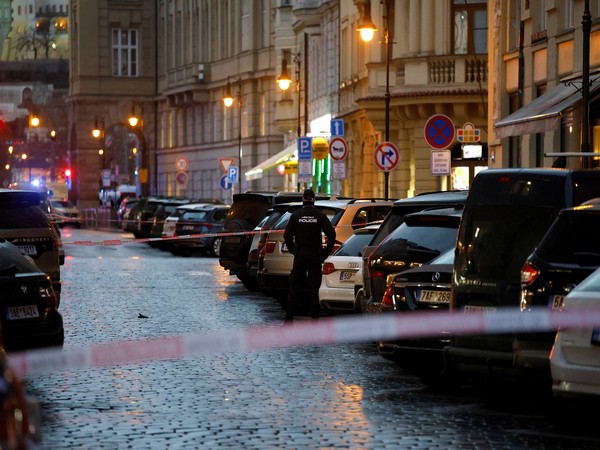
455	212
436	197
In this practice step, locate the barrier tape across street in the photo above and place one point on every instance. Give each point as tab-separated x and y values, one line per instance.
343	330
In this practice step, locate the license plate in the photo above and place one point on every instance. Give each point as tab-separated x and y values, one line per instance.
595	336
478	309
22	312
347	275
435	296
27	249
188	227
558	301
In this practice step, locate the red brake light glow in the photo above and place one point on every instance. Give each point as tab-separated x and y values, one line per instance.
528	273
328	268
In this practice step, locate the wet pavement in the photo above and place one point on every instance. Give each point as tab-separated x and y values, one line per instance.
342	396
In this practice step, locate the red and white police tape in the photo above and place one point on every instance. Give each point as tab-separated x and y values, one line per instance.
352	329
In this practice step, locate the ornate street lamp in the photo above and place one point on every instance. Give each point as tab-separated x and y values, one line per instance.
228	102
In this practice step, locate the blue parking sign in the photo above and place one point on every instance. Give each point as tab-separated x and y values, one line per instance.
233	174
304	148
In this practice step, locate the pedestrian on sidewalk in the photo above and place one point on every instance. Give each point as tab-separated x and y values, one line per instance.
303	238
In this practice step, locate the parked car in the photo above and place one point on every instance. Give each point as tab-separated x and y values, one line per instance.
336	293
424	288
26	225
67	212
133	214
205	220
275	262
30	316
420	237
157	220
575	356
145	217
507	213
567	254
124	207
247	210
427	200
259	239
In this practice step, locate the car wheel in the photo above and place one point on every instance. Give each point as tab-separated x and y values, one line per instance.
360	300
215	248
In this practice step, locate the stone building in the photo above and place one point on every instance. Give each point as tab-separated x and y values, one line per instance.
171	62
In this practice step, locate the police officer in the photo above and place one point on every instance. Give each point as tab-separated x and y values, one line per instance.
304	240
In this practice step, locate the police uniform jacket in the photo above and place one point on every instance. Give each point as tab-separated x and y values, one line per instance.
303	231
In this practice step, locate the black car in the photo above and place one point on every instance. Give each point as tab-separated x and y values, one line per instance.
424	288
400	208
206	221
146	217
30	316
567	254
420	237
507	213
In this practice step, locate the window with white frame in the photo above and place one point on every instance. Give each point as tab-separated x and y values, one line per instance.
125	52
569	14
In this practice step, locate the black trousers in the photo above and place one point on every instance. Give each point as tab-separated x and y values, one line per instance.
305	281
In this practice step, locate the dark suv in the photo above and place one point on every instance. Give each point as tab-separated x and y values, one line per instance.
26	225
428	200
566	255
420	237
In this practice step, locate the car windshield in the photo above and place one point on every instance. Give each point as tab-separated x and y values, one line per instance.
194	216
426	237
354	245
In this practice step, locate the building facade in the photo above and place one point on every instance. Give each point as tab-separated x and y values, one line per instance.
171	63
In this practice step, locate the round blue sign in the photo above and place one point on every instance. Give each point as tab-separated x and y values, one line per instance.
439	131
224	182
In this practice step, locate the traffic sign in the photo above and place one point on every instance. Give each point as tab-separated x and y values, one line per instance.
339	170
386	156
233	174
181	163
338	149
439	131
337	127
181	177
304	148
441	162
225	163
224	182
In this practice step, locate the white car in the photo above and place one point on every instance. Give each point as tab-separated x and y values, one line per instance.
340	271
275	261
575	356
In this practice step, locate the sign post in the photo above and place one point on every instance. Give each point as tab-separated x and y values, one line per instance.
386	157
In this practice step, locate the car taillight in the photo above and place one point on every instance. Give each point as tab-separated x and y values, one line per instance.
387	302
528	273
328	268
270	246
47	293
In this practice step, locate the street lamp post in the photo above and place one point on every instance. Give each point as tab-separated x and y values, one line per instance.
367	29
284	81
228	102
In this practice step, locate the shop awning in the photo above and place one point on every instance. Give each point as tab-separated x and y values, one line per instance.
286	154
545	112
